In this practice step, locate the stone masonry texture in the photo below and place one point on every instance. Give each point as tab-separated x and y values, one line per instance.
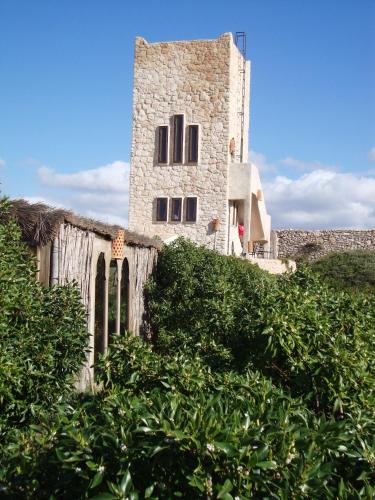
201	80
316	244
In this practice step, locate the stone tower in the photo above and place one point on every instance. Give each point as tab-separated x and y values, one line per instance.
190	145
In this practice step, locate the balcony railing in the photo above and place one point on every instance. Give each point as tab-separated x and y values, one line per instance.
260	254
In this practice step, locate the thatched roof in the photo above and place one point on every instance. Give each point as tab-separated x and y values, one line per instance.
40	224
135	239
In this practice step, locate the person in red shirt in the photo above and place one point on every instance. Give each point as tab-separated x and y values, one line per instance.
241	231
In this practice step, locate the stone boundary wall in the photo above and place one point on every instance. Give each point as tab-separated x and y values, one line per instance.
316	244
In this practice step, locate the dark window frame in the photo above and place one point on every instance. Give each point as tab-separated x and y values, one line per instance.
178	138
187	218
173	201
157	215
163	143
193	153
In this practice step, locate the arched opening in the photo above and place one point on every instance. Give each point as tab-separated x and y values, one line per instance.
124	311
99	343
112	299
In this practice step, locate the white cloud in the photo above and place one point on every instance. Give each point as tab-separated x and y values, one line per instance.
317	199
260	161
100	193
46	201
265	167
304	166
371	154
111	177
322	199
2	162
108	207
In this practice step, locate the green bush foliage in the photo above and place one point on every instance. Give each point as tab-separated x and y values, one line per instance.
354	270
316	343
201	302
256	387
42	334
177	429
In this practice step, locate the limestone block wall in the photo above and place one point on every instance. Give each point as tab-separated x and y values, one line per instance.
316	244
193	78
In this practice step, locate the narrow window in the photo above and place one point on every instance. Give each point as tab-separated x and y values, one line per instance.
161	209
176	209
178	138
193	144
191	209
163	145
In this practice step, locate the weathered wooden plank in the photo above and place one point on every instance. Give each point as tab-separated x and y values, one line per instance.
75	256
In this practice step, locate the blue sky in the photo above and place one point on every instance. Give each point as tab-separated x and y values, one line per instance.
66	86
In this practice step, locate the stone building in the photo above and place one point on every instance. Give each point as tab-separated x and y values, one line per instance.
190	174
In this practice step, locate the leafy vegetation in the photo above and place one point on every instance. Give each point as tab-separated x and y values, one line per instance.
313	342
255	387
164	428
42	334
354	270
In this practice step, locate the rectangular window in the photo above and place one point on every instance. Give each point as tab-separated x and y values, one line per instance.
191	209
193	144
178	138
161	209
163	145
176	209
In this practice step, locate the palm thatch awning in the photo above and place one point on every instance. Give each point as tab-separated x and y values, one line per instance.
40	224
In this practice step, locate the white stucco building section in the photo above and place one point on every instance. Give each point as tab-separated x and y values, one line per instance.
246	195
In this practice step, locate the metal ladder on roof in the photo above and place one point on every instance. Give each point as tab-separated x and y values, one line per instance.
240	41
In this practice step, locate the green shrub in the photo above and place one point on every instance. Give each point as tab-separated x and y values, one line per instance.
316	343
354	270
320	343
199	301
42	334
181	430
255	387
